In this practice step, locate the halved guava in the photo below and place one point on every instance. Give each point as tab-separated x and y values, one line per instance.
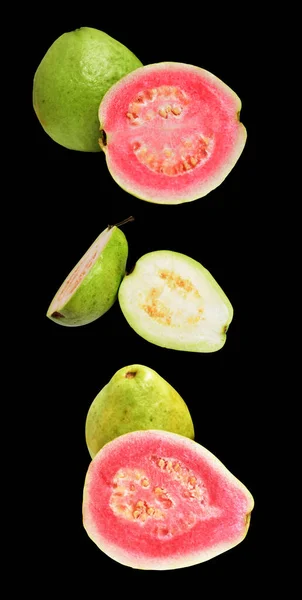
157	500
172	301
171	132
91	287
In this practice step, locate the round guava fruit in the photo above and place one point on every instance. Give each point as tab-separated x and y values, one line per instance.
91	287
172	301
158	500
170	132
136	397
71	81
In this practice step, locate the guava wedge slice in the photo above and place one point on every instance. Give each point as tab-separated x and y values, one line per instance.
170	132
157	500
91	287
136	397
172	301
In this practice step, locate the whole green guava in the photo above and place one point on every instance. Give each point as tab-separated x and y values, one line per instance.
70	82
136	397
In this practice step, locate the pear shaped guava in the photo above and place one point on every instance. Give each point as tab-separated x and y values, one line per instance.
136	398
71	80
172	301
91	287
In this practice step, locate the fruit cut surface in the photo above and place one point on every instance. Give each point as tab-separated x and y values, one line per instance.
172	301
171	132
157	500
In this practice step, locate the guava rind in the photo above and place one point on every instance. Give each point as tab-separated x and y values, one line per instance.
98	289
177	343
111	534
149	188
71	80
129	403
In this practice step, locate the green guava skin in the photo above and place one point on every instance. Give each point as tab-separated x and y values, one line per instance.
136	398
99	288
70	82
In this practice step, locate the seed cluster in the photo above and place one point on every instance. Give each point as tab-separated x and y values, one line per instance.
166	103
127	486
162	308
187	154
191	487
139	499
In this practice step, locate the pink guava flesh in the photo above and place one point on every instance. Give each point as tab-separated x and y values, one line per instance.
156	500
172	132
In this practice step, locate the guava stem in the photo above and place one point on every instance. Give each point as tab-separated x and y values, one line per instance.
128	220
130	374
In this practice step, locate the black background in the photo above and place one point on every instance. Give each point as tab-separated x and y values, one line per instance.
73	198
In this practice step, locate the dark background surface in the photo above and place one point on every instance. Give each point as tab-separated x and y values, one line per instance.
73	198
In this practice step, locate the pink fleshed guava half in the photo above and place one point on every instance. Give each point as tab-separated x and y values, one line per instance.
157	500
171	132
